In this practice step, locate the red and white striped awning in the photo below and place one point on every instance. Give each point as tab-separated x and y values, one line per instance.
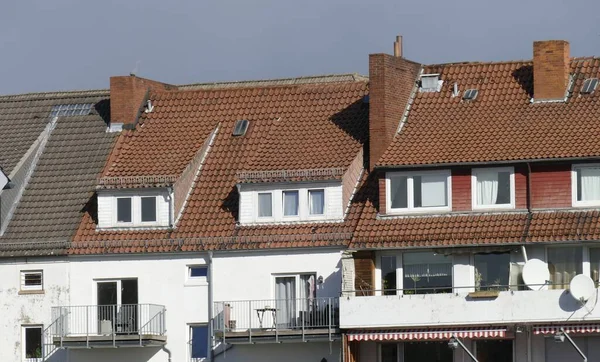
569	328
426	334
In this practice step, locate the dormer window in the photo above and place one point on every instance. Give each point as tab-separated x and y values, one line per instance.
493	188
420	191
589	85
294	202
135	208
586	185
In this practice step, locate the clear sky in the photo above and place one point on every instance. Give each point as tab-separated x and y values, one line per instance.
50	45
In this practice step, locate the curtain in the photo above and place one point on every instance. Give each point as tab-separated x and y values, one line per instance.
487	188
564	264
317	201
286	298
433	190
290	203
590	184
307	291
265	205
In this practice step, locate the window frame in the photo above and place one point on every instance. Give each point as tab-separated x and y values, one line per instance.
298	206
574	189
410	209
190	280
509	206
31	289
142	197
164	216
24	328
117	222
316	216
190	339
257	208
583	257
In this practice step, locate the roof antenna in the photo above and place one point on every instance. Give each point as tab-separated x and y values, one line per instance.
135	69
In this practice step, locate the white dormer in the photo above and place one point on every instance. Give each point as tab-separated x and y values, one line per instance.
431	83
134	208
291	202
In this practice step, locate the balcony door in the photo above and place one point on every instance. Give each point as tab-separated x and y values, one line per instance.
285	295
295	299
117	306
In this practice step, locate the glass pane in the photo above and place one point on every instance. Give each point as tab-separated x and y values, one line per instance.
290	203
426	273
33	342
588	181
430	191
399	192
316	199
595	264
148	209
388	274
265	205
198	271
429	352
33	279
389	352
199	341
503	188
564	264
124	209
492	271
493	188
494	350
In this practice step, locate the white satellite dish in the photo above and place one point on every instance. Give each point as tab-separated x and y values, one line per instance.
536	274
582	287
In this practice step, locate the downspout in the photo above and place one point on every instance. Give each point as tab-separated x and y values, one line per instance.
171	205
164	347
210	306
529	213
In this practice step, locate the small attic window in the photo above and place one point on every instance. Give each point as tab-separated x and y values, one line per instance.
589	85
430	83
74	109
241	126
470	94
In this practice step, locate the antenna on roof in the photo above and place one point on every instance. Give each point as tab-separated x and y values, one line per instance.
135	69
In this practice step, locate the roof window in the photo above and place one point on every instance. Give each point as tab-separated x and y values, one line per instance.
589	85
74	109
241	126
431	83
470	94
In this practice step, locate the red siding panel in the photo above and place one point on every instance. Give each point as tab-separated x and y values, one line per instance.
551	186
520	187
461	189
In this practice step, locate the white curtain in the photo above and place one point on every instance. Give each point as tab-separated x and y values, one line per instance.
307	291
433	191
590	184
286	299
265	205
317	201
290	203
487	188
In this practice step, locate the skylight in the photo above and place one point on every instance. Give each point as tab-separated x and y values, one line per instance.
240	127
589	85
470	94
74	109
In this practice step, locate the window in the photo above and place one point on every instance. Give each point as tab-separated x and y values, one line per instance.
426	273
388	274
564	263
32	343
240	127
589	85
124	209
470	94
389	352
493	188
198	342
32	280
149	209
586	185
494	350
294	299
316	200
197	271
429	352
492	271
595	265
414	192
290	203
265	204
75	109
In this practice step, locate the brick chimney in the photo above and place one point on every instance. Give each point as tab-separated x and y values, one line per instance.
551	65
128	96
391	80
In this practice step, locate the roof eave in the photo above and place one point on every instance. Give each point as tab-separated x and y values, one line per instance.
486	163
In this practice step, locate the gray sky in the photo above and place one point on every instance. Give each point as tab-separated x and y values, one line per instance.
78	44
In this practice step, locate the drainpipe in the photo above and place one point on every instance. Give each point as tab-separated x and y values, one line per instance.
529	213
171	197
164	347
210	306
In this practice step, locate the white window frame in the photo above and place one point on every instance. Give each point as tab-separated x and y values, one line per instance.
190	280
575	202
256	208
190	336
24	327
291	217
410	190
136	209
155	210
316	216
513	192
116	213
31	288
297	291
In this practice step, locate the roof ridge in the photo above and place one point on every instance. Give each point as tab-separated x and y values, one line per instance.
257	83
54	94
480	63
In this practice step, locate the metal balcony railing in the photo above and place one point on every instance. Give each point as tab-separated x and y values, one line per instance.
276	318
106	322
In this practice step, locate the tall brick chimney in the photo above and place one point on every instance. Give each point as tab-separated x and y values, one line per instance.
391	80
551	64
128	95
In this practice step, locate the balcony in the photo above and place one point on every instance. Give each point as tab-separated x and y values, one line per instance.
94	326
277	320
463	306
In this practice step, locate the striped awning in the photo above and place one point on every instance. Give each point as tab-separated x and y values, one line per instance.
569	328
426	334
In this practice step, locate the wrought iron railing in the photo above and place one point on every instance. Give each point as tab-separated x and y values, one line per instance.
275	316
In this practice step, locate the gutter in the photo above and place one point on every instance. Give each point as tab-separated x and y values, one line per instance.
486	163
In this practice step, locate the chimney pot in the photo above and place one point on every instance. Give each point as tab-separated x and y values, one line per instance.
551	67
398	47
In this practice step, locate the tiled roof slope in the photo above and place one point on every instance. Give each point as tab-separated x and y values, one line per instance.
63	181
455	229
501	124
319	116
24	116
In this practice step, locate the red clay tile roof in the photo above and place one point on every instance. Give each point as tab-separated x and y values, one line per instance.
291	127
466	229
501	124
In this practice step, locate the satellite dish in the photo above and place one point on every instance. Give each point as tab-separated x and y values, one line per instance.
582	287
536	274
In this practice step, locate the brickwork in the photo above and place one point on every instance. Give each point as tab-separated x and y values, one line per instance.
127	94
551	64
